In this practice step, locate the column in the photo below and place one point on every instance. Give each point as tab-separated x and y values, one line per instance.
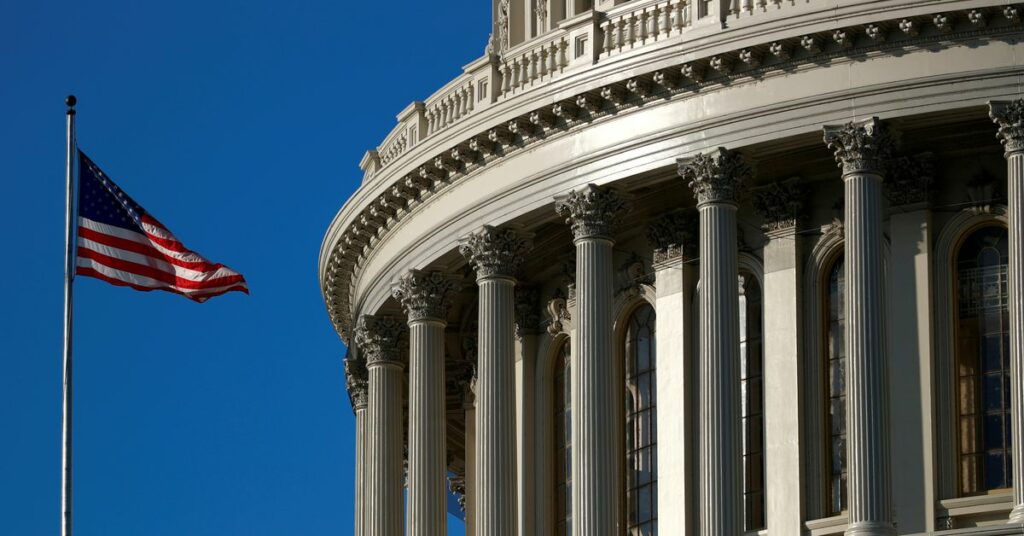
913	448
862	150
495	255
469	407
1009	116
356	381
594	214
379	339
674	239
716	179
426	300
780	208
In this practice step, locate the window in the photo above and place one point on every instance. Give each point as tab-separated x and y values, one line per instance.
563	443
752	389
641	424
983	362
835	420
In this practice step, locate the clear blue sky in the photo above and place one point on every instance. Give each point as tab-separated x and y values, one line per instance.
239	124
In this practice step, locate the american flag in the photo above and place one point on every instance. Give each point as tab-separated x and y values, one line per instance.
120	243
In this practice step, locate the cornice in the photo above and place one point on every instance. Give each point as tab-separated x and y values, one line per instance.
347	245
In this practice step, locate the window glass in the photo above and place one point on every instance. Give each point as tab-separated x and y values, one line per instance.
835	374
752	389
983	362
563	443
641	424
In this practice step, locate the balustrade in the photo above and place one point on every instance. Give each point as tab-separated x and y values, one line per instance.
541	62
447	107
653	21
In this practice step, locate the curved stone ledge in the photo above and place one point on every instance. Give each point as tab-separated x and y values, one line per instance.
383	205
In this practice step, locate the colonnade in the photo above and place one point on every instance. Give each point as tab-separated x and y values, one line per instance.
594	214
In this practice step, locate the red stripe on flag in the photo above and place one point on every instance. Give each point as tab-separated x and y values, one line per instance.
142	249
195	296
156	274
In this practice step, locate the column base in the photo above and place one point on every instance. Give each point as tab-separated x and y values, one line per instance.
871	528
1017	514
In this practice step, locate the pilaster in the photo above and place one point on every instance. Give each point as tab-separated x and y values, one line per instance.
527	327
781	208
674	239
594	214
913	448
1009	116
495	255
380	338
425	298
716	179
862	150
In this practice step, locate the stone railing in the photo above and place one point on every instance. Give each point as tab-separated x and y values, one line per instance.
644	23
545	59
394	145
454	102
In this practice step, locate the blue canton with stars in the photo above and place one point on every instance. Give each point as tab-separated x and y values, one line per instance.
100	200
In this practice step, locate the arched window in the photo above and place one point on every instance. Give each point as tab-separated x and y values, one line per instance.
835	418
752	389
983	361
563	443
641	424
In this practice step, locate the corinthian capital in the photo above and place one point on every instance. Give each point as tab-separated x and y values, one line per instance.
780	206
592	211
425	295
380	339
495	252
673	235
860	147
356	380
1009	116
715	177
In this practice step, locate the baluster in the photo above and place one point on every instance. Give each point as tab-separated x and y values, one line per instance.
430	121
677	16
542	55
463	103
630	29
563	58
524	67
515	73
453	108
607	29
652	22
553	58
533	65
506	78
641	25
666	15
471	90
734	7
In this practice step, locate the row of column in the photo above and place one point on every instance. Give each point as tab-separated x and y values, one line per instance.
594	213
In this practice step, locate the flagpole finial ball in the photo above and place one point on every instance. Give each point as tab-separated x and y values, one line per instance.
71	101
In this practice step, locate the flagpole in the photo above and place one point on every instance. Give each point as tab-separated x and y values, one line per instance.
69	275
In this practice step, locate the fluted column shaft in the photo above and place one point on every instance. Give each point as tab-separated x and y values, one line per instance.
1009	116
716	180
427	501
379	338
495	255
496	509
867	372
594	461
721	470
361	440
861	150
384	472
594	214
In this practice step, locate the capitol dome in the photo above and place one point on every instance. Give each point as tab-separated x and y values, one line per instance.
696	267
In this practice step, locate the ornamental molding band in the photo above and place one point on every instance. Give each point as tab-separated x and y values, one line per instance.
780	206
909	178
357	381
425	295
593	211
715	177
380	338
861	147
346	254
1009	116
495	251
674	235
